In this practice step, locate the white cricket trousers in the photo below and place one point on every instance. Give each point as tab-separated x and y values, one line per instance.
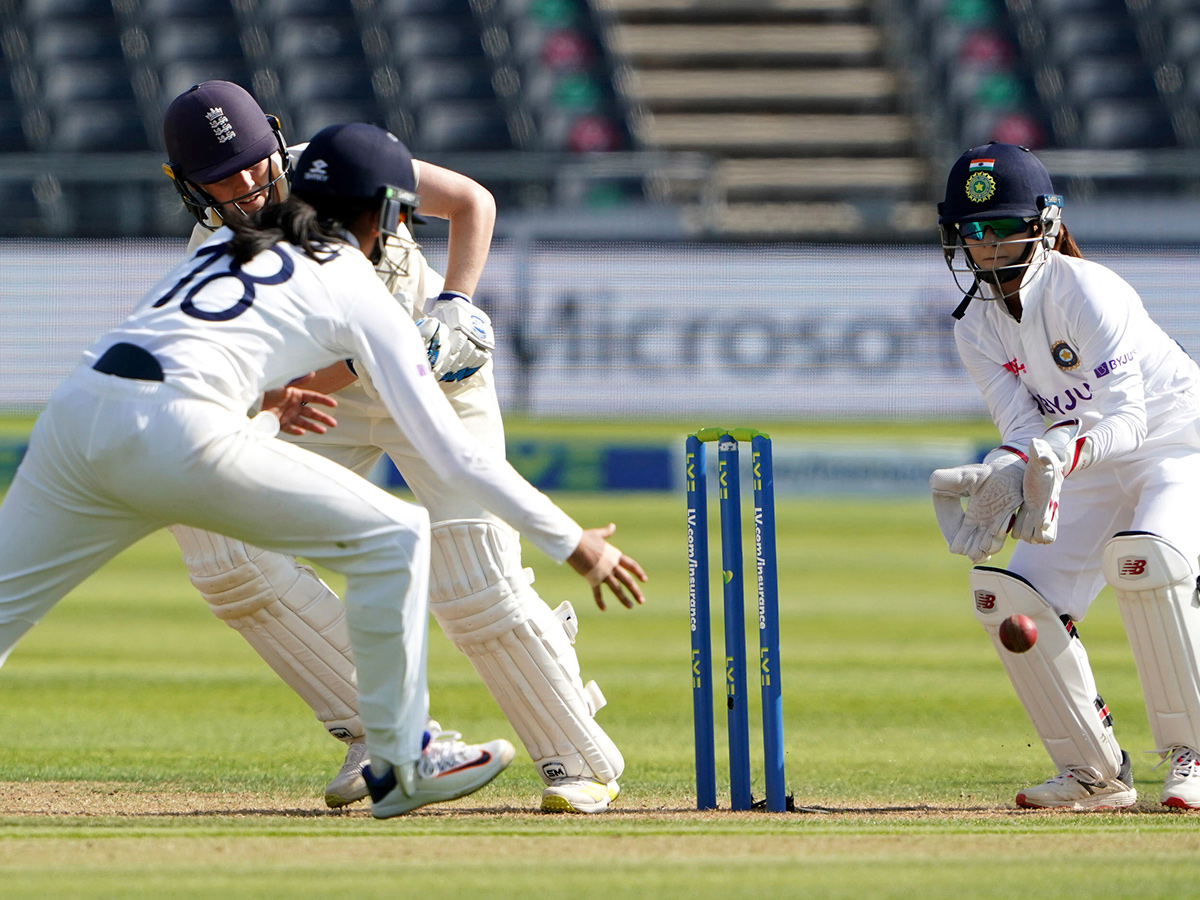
113	459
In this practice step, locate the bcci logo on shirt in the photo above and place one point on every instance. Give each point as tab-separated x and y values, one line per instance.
1064	357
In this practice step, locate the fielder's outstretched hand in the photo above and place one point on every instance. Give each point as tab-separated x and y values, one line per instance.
601	563
293	406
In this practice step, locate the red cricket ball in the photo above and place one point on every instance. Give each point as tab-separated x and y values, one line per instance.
1018	633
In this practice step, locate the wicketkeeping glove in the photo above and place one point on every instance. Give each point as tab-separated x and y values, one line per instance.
1052	457
458	337
993	489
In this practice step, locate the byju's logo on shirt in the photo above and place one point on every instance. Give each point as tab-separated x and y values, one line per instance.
1111	365
318	171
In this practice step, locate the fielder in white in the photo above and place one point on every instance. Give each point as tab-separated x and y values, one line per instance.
228	158
152	429
1107	493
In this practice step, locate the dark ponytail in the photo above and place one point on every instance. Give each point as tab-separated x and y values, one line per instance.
1065	244
296	222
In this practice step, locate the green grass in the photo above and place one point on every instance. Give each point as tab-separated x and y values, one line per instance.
179	766
15	427
659	430
655	431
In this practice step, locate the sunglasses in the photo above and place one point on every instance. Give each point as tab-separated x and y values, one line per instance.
1002	228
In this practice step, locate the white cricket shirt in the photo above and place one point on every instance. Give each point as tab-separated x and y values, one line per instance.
227	333
1085	348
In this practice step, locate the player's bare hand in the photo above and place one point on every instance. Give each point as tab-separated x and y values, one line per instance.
296	407
603	564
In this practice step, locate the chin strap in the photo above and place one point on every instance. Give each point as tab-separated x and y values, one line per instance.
1023	263
961	309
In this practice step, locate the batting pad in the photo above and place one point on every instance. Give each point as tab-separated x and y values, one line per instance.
521	649
1156	593
1053	679
287	614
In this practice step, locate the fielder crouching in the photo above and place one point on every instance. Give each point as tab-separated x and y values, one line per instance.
1105	494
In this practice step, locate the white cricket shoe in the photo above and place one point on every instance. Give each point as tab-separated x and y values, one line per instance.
580	794
1181	787
1081	789
348	785
447	769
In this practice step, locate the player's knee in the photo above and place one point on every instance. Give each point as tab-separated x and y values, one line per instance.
476	591
999	593
238	592
241	590
395	545
1140	561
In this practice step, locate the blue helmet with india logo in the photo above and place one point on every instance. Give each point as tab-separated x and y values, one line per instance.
1002	192
996	181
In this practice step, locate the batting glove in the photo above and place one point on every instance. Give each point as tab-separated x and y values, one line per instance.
458	337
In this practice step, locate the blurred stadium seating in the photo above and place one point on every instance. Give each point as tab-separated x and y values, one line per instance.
751	118
797	101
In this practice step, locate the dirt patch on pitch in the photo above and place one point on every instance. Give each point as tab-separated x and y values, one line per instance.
90	798
118	799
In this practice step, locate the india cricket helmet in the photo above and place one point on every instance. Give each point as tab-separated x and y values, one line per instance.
996	181
1007	185
352	168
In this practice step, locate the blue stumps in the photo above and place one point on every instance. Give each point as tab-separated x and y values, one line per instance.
768	621
733	578
698	603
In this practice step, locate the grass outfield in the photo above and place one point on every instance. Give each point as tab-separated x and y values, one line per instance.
147	752
625	430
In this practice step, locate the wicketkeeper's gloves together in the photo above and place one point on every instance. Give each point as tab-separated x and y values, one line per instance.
1009	491
993	492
